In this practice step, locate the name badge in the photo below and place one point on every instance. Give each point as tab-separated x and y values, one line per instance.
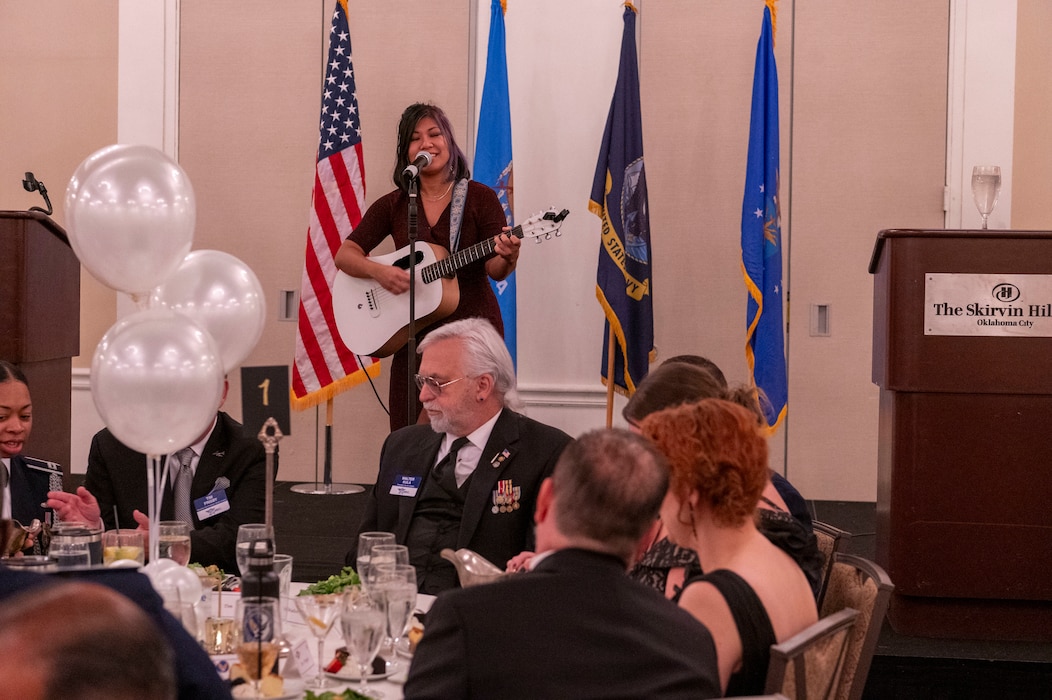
405	485
211	505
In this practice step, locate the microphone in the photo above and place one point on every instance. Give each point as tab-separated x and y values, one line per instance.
31	184
423	159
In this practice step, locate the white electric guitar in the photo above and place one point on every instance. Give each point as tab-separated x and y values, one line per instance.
373	321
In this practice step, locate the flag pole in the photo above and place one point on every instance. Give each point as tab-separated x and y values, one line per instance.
610	378
326	486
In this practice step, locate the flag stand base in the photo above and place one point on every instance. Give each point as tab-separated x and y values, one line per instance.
318	488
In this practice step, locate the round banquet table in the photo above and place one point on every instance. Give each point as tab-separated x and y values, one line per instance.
296	630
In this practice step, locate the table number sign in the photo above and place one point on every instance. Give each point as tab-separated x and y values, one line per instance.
265	394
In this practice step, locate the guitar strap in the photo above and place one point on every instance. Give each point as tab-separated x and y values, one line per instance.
456	213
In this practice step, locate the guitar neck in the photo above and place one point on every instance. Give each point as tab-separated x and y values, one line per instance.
479	251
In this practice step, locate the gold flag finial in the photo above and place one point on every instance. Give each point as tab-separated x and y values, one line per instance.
630	6
772	5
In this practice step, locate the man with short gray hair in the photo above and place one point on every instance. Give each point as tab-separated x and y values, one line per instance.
574	625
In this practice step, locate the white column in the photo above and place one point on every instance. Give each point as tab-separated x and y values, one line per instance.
981	105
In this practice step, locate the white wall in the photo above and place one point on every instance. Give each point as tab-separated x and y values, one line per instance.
562	59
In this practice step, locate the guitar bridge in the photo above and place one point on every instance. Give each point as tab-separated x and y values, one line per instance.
374	304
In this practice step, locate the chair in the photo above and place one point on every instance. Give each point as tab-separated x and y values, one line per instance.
830	541
809	665
861	585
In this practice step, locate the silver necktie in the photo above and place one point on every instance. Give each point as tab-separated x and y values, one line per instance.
182	476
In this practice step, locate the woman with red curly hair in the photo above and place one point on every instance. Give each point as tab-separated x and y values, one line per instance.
753	594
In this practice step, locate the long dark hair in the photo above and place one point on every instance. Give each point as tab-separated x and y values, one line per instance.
458	162
10	372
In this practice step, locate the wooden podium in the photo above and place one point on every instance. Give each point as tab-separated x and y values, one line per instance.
962	352
40	323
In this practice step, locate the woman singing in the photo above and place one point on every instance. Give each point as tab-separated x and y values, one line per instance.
425	127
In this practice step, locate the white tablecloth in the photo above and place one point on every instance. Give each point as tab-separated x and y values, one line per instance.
296	630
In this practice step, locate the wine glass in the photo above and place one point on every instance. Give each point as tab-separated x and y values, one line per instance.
173	538
366	542
396	584
258	622
319	612
363	623
986	186
381	555
246	535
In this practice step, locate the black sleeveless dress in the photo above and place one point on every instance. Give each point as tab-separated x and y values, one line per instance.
754	628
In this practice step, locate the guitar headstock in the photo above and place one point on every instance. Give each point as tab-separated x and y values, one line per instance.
543	225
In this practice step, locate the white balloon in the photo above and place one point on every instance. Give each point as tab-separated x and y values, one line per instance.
175	584
223	296
157	381
130	214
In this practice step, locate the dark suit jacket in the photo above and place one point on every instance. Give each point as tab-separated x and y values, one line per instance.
194	671
532	450
575	627
31	479
117	476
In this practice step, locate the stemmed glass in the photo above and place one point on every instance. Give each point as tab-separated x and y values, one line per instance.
174	541
986	186
363	622
382	555
366	542
319	612
246	535
259	624
396	584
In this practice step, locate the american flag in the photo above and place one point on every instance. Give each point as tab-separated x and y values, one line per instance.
324	366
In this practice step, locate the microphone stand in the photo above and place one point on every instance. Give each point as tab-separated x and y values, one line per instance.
414	190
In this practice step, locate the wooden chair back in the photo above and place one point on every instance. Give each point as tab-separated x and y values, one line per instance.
809	665
861	585
831	540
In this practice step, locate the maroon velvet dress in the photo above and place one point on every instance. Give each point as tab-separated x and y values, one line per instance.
483	218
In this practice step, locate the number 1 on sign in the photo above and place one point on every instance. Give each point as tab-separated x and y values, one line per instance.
265	386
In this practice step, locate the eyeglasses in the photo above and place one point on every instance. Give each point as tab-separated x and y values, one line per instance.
433	384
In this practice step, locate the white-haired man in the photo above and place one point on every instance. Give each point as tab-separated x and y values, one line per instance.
471	478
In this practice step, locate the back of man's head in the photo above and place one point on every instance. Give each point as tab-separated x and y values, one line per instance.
82	641
608	486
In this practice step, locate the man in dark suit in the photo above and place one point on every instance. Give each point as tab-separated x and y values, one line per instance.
195	674
228	467
575	625
471	478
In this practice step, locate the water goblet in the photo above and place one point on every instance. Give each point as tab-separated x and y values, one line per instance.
363	623
173	541
319	612
258	622
366	542
986	186
246	535
381	555
396	584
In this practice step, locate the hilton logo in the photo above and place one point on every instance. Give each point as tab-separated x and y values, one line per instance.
1005	292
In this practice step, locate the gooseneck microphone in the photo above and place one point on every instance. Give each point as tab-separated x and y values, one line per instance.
423	159
31	184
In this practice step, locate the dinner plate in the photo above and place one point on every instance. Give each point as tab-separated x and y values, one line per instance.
350	672
294	688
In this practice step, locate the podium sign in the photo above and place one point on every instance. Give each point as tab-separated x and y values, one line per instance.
1003	305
